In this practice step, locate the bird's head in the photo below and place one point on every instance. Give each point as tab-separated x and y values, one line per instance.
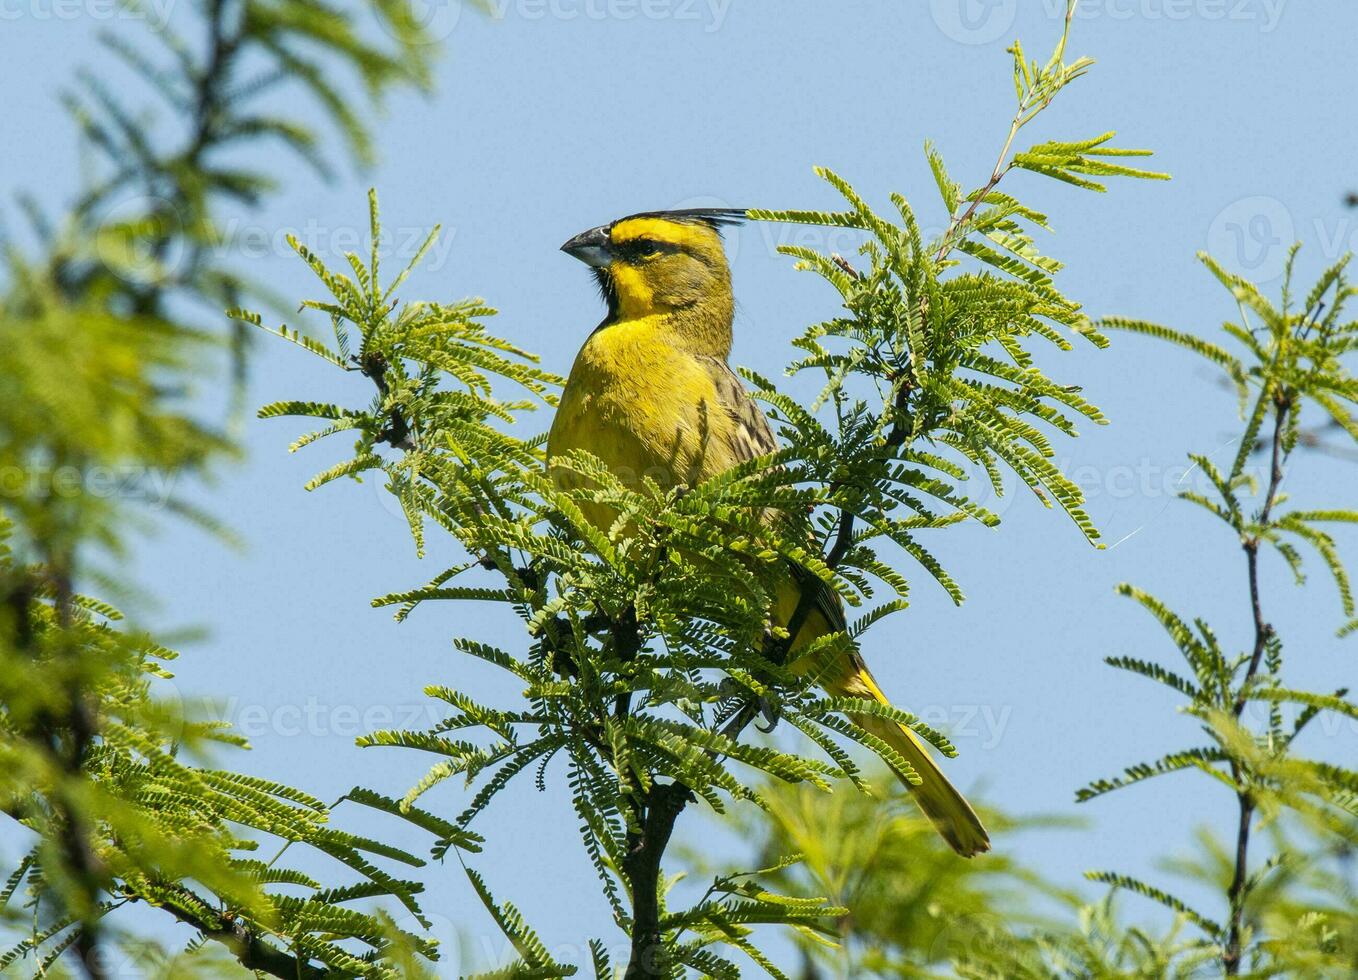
659	261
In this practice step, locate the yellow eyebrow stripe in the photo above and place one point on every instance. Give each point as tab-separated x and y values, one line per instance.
684	234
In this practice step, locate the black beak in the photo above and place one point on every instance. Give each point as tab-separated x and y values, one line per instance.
591	247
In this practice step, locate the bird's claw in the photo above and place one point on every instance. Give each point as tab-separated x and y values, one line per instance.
732	688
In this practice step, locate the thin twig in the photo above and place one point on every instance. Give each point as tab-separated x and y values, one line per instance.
249	950
1263	633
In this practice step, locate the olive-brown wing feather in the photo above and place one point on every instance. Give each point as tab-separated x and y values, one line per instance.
751	437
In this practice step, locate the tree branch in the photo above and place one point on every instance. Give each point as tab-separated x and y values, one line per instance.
1263	632
249	950
656	817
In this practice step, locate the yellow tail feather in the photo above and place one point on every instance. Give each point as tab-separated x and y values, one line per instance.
945	807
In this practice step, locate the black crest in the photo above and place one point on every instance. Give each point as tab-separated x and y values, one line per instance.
714	217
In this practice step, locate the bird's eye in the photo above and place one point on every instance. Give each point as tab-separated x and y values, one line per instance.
647	248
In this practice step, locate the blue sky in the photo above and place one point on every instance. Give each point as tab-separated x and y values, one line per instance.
556	115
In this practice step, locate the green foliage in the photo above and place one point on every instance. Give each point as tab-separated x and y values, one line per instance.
115	799
113	809
88	420
1293	363
534	960
913	910
149	225
649	644
944	349
627	630
910	905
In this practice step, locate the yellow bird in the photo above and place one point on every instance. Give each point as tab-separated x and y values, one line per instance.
651	394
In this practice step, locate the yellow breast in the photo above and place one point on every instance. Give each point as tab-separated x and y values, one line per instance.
642	405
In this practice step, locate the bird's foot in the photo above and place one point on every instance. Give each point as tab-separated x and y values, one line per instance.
732	688
769	711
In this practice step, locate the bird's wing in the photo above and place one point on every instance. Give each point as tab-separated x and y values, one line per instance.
751	437
949	811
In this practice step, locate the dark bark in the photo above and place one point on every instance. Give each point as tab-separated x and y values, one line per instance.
1237	892
645	849
249	949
